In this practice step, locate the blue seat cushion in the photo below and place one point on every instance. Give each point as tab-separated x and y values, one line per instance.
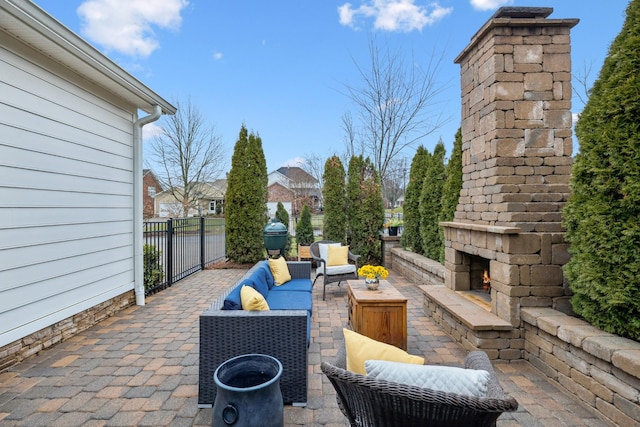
290	300
294	285
232	301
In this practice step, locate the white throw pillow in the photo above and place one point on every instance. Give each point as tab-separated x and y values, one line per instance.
323	248
466	382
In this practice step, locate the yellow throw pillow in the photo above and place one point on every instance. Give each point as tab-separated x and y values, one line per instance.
252	300
360	348
280	270
338	255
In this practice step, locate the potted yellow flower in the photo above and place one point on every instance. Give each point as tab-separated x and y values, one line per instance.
372	275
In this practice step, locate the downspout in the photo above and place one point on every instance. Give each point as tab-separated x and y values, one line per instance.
138	268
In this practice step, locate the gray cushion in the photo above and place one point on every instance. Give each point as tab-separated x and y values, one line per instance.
466	382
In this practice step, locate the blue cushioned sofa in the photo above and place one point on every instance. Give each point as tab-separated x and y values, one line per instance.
282	332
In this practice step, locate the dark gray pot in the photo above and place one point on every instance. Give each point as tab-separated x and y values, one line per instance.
248	392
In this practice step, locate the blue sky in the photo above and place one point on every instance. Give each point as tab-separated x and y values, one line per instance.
281	66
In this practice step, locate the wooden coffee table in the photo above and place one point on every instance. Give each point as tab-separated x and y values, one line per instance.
380	314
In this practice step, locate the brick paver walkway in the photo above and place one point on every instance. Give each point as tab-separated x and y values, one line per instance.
140	367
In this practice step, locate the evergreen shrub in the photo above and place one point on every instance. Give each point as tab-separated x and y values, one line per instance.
304	228
333	194
602	215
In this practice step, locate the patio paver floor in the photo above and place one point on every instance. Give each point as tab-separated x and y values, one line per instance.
140	367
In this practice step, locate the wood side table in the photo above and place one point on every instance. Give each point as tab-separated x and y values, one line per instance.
380	314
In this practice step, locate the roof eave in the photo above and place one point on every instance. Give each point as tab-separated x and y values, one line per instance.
33	26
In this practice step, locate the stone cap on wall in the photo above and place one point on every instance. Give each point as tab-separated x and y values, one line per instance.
516	17
622	353
523	12
496	229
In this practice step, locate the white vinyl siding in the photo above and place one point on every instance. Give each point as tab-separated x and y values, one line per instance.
66	198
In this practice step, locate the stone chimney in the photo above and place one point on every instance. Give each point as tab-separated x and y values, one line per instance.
516	159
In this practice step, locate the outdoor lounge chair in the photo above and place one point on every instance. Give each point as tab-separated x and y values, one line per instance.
336	273
368	401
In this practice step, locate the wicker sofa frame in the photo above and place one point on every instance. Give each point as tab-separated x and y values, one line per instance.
367	401
330	278
279	333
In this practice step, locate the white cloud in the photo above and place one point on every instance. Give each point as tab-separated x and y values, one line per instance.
574	118
489	4
296	161
150	131
393	15
127	26
217	56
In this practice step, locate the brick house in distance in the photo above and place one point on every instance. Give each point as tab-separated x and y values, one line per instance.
294	188
150	187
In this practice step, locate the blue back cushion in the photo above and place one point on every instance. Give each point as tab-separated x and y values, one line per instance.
232	301
268	274
258	280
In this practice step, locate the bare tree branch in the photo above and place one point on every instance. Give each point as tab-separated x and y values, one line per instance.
583	82
314	166
189	152
395	103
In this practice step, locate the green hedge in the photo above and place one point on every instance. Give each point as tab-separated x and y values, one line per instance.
602	215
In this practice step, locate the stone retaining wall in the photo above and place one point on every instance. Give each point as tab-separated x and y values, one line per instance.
13	353
601	369
416	268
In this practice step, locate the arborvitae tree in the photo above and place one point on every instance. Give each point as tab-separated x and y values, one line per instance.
335	215
304	228
365	210
430	206
283	216
355	224
246	200
452	185
411	238
601	216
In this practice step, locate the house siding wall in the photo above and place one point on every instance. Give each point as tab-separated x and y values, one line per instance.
66	195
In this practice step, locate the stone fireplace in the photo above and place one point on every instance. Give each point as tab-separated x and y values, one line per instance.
516	135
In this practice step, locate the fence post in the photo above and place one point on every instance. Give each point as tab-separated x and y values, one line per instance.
169	251
202	243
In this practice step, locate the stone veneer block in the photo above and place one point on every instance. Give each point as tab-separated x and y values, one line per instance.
576	334
531	315
550	324
605	346
627	360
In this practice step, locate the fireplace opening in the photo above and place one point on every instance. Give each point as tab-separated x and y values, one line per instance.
479	274
478	289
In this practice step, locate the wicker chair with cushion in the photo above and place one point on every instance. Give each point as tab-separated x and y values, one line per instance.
332	273
368	401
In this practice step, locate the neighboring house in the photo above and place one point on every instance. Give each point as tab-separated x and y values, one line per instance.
71	182
150	187
209	201
279	193
302	188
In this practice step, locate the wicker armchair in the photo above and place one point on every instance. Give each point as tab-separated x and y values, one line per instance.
367	401
340	274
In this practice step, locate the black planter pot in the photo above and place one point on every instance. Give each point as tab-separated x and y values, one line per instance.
393	231
248	392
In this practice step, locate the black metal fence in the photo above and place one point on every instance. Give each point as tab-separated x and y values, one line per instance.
178	247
